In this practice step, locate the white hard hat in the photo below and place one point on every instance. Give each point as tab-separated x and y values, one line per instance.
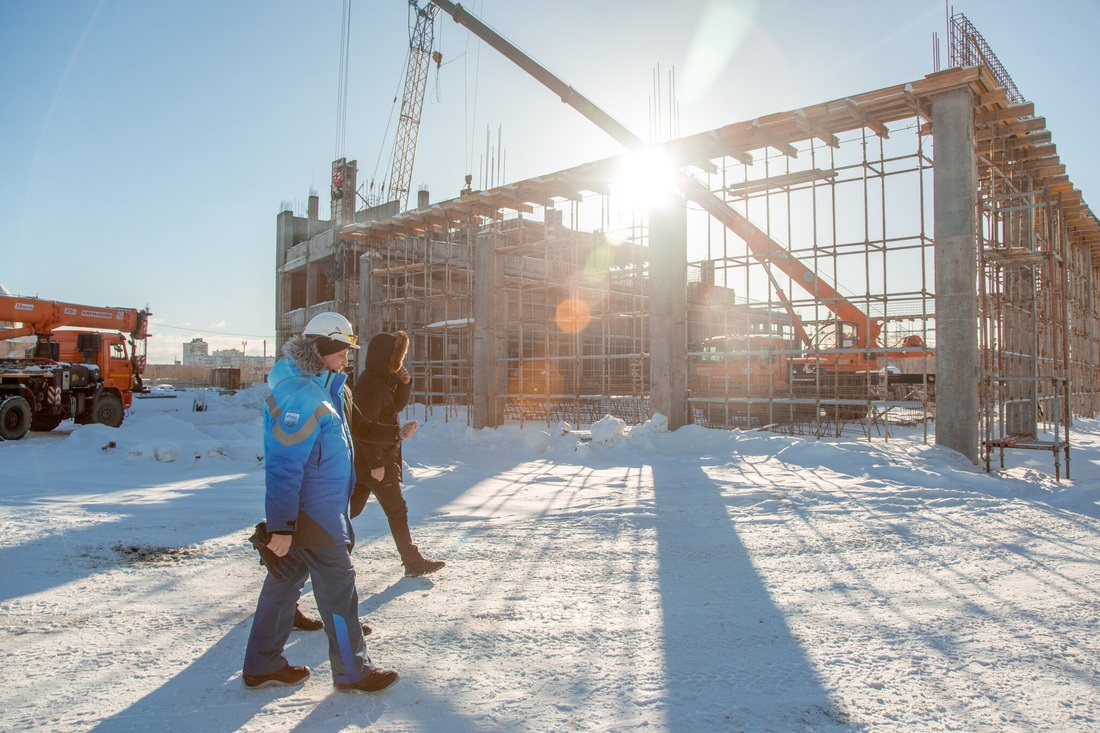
332	326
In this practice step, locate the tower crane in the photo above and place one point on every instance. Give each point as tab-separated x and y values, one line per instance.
421	37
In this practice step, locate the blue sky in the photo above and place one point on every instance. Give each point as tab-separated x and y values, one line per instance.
146	147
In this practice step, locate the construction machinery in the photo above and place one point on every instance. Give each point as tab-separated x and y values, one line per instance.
846	356
421	35
84	364
749	380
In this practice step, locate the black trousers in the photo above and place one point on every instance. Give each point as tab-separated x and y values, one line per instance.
397	513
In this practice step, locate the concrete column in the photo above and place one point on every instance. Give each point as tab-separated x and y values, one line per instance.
340	291
486	409
1021	412
313	216
955	203
367	321
668	363
312	269
284	240
343	196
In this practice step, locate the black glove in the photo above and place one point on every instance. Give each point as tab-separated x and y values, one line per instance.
280	567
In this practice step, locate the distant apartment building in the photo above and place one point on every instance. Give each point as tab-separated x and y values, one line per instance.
193	349
196	353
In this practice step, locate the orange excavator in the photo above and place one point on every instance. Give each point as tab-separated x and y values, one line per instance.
84	364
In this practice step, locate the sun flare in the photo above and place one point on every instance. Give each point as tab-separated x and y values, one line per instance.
646	177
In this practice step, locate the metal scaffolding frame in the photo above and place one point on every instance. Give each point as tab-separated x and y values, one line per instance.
843	187
852	209
1024	398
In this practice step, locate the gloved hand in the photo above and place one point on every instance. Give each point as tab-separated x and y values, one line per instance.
280	567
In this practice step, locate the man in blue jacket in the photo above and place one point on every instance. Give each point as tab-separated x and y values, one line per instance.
309	477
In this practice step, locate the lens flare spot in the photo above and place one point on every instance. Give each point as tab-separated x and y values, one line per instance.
573	315
598	264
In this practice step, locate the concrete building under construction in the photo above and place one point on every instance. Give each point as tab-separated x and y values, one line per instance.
913	252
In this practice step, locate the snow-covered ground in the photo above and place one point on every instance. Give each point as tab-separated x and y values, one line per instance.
640	581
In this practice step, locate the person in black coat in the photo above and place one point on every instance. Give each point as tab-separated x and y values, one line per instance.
381	393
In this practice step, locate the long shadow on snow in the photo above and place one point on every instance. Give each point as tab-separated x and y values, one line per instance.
731	662
201	698
82	552
78	553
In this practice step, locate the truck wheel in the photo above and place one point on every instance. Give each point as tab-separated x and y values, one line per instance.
108	411
15	417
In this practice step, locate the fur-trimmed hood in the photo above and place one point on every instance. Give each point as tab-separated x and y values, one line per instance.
303	352
386	352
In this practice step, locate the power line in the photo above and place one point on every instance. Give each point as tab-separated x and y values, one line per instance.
217	333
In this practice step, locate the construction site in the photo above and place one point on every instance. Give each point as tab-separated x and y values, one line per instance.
913	255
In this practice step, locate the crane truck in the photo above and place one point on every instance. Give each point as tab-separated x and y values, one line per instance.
88	375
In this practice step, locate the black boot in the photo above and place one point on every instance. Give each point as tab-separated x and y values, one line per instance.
415	563
305	623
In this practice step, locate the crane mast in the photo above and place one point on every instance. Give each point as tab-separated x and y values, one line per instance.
421	37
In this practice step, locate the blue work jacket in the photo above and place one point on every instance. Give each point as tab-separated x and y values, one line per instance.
308	456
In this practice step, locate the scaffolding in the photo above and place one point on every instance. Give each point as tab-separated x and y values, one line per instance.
1036	286
851	208
572	305
1025	399
547	283
574	287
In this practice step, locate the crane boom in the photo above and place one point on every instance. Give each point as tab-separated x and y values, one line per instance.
41	317
412	103
762	247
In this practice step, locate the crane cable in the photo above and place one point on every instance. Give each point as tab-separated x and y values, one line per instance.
398	93
342	81
437	57
468	120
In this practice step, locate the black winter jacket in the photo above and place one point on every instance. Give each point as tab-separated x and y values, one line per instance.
380	396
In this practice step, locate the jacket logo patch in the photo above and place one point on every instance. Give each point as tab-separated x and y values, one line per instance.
290	419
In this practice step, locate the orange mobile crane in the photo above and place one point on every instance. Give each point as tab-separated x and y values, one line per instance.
88	375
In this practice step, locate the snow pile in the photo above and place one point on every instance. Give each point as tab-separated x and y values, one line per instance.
619	579
609	430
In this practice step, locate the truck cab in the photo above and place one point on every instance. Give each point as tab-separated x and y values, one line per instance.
118	359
